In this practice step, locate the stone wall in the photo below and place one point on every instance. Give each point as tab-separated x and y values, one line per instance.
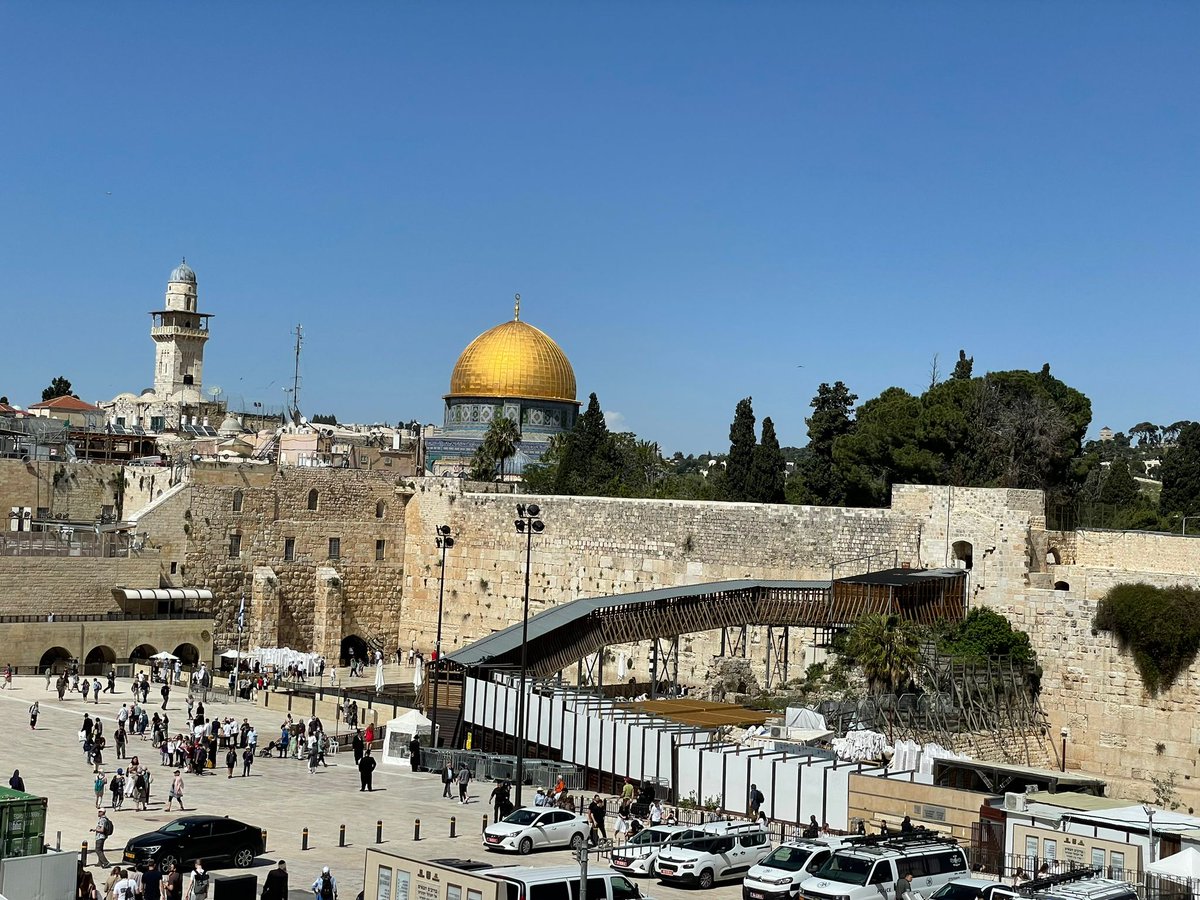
78	492
41	585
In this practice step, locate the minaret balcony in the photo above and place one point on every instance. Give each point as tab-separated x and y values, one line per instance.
169	332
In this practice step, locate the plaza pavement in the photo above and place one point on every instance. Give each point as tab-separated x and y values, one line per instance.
279	796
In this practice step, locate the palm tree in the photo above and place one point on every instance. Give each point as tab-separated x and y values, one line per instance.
499	444
886	648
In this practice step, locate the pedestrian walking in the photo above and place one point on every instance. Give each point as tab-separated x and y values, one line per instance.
276	885
112	681
499	797
98	788
104	828
314	753
464	779
33	715
17	783
48	676
172	881
166	692
357	746
414	752
230	760
366	766
596	818
96	690
447	780
175	792
325	885
84	688
126	887
197	888
116	788
152	881
7	676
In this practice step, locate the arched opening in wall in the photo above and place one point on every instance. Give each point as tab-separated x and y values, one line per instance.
189	654
380	509
963	553
313	497
353	642
237	501
142	653
98	660
1061	586
55	659
1052	557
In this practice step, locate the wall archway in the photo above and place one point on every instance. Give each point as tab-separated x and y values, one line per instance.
142	653
1053	558
362	652
189	654
98	660
55	659
1062	586
380	509
314	499
964	554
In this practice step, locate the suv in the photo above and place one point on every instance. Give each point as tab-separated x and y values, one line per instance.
778	876
638	855
867	868
725	852
212	839
562	883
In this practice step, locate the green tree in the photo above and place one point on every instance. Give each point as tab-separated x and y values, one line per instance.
735	483
765	484
817	480
1180	472
884	449
499	444
324	419
984	634
1147	433
886	648
59	387
964	366
1118	487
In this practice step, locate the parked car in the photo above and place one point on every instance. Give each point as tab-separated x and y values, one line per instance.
725	853
973	889
638	855
867	868
562	883
533	828
778	876
213	839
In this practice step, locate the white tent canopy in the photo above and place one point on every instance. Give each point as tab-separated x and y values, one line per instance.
231	654
1185	864
400	731
163	654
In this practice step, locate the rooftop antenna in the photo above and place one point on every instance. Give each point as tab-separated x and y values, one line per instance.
296	376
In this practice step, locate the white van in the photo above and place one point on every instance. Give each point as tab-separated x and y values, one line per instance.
867	868
778	876
562	883
726	852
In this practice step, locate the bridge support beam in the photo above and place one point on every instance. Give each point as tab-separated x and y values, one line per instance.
777	655
591	671
664	666
733	641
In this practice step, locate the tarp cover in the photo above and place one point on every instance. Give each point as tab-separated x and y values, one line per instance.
1184	864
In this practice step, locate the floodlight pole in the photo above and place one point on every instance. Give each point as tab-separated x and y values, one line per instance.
527	523
444	542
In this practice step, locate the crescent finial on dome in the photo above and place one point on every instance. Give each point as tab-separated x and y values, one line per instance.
516	307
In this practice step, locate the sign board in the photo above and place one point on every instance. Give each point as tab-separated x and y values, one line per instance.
390	876
1040	845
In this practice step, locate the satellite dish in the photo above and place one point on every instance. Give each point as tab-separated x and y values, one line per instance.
214	391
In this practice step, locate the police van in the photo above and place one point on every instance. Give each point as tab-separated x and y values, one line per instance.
726	852
778	876
868	867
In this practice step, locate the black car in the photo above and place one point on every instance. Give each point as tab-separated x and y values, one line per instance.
213	839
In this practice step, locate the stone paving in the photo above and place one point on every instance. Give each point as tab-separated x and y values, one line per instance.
279	796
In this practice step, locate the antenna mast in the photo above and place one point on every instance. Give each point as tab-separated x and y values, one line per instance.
296	375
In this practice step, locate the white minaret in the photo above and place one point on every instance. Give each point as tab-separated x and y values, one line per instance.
179	334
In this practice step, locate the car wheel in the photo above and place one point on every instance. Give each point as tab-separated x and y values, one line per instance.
706	879
525	847
577	841
244	858
168	859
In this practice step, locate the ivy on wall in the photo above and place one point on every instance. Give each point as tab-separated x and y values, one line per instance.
1159	626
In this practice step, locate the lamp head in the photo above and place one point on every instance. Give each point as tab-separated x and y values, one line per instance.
537	525
533	509
520	523
448	542
443	529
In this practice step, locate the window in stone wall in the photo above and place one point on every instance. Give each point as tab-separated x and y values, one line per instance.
235	546
174	568
312	499
237	501
289	549
380	547
335	548
380	509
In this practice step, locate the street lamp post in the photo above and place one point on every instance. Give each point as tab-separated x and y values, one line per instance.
527	524
444	542
1149	811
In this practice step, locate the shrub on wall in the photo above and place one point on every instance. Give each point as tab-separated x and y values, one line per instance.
1159	626
983	634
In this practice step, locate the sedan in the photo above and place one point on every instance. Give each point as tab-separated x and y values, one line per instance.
525	829
213	839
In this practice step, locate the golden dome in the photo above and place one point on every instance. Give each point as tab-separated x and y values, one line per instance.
513	359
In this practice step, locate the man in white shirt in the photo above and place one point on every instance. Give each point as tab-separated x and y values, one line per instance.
125	888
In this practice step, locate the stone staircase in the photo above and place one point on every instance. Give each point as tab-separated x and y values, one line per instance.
158	501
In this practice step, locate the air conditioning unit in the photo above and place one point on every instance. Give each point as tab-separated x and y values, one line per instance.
780	732
1014	802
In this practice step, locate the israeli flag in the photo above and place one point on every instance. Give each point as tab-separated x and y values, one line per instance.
242	614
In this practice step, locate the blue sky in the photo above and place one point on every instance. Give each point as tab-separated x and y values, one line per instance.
693	198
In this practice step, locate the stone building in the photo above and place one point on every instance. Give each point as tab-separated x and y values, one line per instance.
514	371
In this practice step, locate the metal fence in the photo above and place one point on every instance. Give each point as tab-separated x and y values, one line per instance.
497	767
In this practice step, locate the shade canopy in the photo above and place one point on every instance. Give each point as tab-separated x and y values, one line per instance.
1184	864
164	655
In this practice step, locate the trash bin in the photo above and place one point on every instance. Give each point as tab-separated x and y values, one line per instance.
235	887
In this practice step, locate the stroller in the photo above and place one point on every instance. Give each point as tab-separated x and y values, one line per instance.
269	749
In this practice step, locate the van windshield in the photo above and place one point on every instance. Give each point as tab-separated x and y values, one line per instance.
847	869
790	859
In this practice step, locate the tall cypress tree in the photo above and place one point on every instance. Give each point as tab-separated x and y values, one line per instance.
822	483
736	483
588	463
767	469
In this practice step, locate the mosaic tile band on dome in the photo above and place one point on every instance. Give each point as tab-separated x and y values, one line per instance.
514	359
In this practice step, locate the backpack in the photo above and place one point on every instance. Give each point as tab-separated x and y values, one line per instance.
99	786
326	887
200	884
108	827
115	784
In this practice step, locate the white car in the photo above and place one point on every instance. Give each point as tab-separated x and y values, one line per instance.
531	828
638	855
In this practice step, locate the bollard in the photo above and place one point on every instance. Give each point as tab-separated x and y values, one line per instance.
453	822
58	840
416	829
264	832
379	831
342	836
485	823
83	854
304	839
